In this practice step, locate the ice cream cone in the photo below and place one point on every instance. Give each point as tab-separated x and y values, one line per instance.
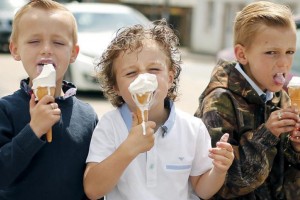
40	92
142	90
44	84
294	90
294	93
144	99
142	115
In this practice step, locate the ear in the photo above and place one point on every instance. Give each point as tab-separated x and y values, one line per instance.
116	89
75	52
14	51
240	54
171	77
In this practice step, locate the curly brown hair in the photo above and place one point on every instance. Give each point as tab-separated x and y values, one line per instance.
130	39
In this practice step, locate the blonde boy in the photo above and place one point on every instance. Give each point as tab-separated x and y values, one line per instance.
44	32
246	100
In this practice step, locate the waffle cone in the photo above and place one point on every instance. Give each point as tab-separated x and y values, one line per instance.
139	113
40	93
294	93
144	98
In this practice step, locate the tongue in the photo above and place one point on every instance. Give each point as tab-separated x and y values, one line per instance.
39	69
279	79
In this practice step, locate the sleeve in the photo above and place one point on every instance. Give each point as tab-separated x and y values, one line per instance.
202	163
103	142
254	149
291	155
16	151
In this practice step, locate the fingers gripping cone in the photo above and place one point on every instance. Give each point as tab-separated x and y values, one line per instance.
40	93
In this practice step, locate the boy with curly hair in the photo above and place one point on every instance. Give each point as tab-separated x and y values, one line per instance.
174	157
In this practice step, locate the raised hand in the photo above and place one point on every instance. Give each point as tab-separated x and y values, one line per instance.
222	155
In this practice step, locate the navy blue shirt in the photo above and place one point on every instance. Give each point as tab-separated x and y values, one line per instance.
30	167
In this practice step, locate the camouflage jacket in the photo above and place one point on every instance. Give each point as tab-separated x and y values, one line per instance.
265	167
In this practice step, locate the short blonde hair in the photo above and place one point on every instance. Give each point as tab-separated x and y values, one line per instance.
253	16
131	39
40	4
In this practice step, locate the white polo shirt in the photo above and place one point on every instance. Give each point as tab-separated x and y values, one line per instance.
163	172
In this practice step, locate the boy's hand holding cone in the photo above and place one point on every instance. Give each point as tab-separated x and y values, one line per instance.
43	85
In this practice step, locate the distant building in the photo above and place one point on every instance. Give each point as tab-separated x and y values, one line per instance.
204	26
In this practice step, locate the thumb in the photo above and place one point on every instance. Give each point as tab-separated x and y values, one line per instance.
134	120
32	101
224	137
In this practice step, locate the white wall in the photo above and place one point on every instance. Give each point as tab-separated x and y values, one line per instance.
212	20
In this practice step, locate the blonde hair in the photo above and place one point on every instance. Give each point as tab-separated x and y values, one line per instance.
249	20
40	4
131	39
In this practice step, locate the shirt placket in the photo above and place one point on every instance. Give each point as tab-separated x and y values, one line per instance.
151	166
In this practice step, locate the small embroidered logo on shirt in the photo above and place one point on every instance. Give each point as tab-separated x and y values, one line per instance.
151	166
181	158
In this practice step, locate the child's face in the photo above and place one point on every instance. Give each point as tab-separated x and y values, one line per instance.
45	37
269	57
150	59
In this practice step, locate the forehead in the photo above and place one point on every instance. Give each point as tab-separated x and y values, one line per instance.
149	50
274	36
40	15
37	19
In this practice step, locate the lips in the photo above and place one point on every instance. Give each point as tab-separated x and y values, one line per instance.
279	78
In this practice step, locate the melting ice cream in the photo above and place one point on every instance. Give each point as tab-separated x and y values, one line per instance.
142	90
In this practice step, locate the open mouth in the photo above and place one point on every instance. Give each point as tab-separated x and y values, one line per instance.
279	78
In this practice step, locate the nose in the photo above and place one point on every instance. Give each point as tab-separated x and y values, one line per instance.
285	61
46	48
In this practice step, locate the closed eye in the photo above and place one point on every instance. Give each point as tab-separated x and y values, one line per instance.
33	41
154	69
130	74
271	52
59	43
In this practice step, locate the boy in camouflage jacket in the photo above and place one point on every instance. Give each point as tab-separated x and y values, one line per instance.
262	131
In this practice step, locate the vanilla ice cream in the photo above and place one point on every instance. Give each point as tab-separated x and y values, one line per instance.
47	77
143	83
142	89
294	82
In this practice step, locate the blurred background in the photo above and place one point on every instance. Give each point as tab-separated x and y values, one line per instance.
204	28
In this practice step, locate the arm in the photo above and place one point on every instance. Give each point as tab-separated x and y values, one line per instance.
101	178
18	144
254	147
210	182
